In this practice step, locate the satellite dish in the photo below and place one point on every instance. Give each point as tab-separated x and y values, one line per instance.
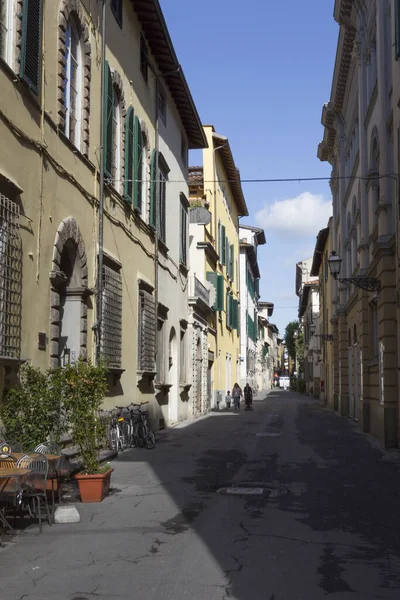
200	215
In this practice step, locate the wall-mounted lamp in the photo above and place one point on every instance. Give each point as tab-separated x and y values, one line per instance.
370	284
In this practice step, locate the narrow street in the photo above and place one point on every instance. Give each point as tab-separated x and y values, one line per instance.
324	522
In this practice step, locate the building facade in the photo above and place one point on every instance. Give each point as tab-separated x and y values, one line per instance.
102	146
361	133
217	250
250	238
265	350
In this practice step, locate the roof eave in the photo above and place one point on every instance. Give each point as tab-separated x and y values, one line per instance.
152	20
232	173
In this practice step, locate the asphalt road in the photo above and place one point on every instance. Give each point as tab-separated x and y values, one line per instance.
317	517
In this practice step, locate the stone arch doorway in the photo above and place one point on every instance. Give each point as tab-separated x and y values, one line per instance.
68	295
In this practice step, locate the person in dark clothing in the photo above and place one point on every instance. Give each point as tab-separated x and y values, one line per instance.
248	397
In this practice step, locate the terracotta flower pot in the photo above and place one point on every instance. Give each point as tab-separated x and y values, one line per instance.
93	488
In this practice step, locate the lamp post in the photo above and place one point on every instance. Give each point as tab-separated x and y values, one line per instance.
370	284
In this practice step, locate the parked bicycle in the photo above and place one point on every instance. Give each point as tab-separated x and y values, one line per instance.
129	427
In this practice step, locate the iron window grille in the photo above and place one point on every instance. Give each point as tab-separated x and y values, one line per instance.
147	332
111	338
10	279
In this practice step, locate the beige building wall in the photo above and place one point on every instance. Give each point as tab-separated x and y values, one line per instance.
56	187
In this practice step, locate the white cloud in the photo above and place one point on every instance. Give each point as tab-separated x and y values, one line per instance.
301	216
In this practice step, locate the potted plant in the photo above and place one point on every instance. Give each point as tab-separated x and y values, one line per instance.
83	389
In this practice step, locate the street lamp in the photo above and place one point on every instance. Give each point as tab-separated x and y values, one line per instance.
370	284
312	328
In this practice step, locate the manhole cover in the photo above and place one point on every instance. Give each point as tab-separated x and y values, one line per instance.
242	491
265	434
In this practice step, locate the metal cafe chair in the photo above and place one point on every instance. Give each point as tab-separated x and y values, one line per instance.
51	448
35	493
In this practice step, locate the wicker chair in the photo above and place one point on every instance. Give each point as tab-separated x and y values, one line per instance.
48	448
7	461
36	491
15	447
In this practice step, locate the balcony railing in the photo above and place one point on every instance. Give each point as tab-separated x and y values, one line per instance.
199	290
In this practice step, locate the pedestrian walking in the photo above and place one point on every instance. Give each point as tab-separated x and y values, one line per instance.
228	399
236	395
248	397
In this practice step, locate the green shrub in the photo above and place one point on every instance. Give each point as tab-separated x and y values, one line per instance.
84	386
32	411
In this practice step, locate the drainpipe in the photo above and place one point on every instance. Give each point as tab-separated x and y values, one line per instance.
99	306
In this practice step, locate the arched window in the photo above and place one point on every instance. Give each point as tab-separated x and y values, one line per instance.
74	75
73	85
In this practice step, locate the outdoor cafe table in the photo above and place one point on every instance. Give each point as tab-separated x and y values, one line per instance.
57	462
6	475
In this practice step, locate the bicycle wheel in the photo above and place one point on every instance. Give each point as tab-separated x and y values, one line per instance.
140	435
150	440
112	439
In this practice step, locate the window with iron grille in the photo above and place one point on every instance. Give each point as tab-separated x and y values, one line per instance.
111	338
147	327
10	279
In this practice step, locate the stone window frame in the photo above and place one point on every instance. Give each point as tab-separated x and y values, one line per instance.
118	84
72	9
147	163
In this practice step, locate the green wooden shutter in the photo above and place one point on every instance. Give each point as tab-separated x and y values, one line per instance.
397	29
153	190
232	261
228	313
223	245
235	306
219	240
138	166
129	141
212	278
220	293
227	261
108	122
30	67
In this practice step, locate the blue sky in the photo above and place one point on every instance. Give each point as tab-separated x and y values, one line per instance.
260	73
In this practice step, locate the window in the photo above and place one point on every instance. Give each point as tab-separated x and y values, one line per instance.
162	201
144	59
182	357
116	139
31	44
111	330
222	244
231	268
183	246
129	161
108	123
116	9
73	85
162	104
146	331
6	31
10	279
218	282
160	359
374	332
139	164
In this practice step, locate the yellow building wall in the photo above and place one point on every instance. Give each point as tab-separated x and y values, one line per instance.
224	210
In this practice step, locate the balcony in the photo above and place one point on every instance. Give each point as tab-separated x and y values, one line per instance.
199	294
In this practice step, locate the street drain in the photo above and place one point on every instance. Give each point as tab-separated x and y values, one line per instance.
266	434
242	491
